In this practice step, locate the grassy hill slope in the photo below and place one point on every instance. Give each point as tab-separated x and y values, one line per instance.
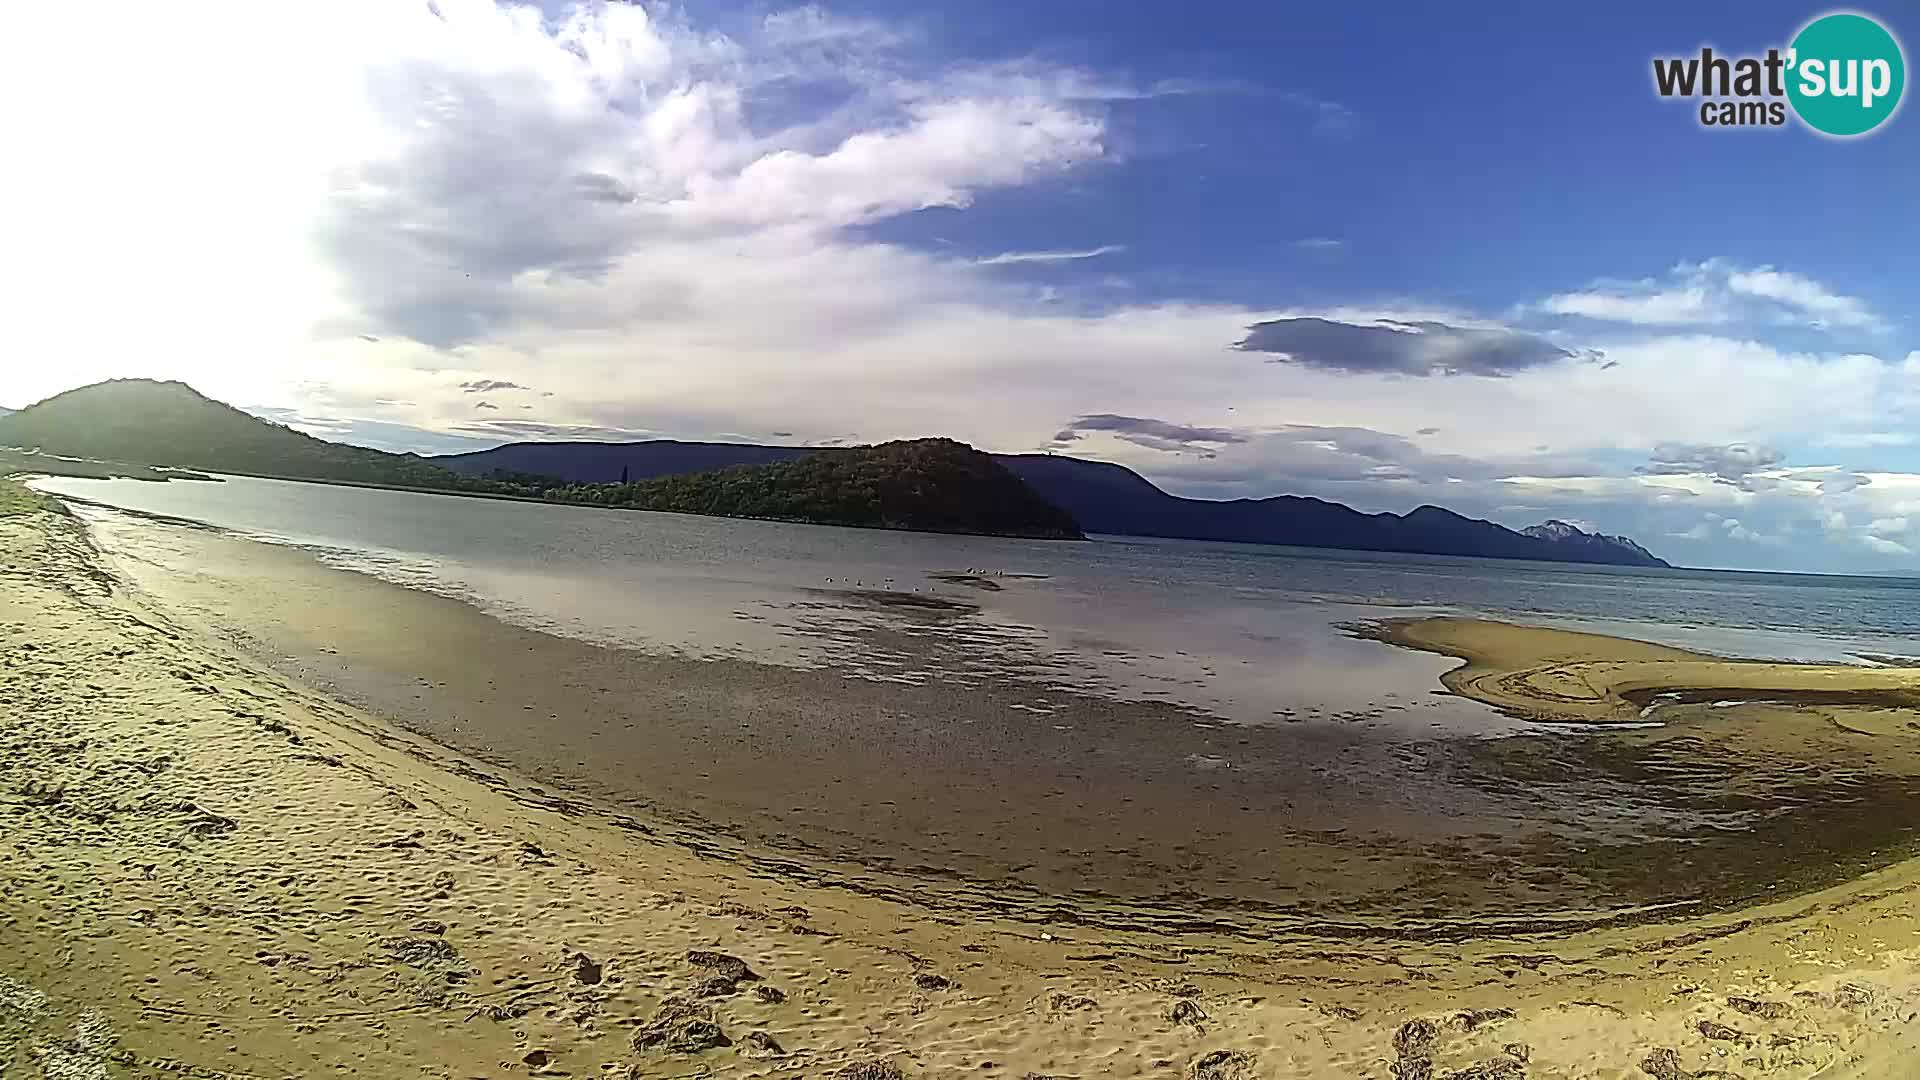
143	422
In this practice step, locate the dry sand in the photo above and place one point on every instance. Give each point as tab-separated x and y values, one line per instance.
210	870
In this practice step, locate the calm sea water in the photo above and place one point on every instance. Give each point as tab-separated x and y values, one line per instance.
1244	632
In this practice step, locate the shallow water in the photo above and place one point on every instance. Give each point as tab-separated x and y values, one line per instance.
1139	734
1242	632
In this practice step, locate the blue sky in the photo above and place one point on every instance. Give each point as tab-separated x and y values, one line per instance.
1387	254
1474	157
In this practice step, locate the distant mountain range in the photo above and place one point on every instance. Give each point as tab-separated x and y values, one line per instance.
1108	498
928	484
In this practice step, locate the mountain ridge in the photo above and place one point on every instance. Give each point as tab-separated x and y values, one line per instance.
1564	532
1105	498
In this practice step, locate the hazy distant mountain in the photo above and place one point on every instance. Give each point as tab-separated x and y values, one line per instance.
1561	532
1114	499
928	485
1104	498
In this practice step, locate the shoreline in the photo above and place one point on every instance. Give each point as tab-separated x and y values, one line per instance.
268	868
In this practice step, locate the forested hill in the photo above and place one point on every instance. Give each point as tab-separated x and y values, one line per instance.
929	485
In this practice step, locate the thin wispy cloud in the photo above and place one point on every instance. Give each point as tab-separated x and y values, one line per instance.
1015	258
1647	307
1856	440
1329	117
1821	306
1717	292
1151	433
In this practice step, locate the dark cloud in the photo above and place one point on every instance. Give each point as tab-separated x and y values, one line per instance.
1404	348
482	386
1151	433
1428	431
486	405
1732	463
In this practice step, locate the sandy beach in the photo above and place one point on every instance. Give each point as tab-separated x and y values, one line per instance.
218	864
1566	675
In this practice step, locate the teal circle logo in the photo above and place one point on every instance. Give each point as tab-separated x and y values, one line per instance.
1845	75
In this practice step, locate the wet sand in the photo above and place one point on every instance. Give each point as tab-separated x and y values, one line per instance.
211	865
1792	775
